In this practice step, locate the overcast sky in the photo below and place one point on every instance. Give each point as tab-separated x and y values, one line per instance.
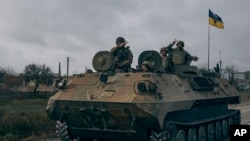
49	31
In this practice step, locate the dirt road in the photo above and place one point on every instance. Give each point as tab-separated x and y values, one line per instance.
244	108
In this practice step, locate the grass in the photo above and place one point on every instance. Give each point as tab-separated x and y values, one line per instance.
21	119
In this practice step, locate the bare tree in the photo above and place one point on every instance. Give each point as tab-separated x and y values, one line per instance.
38	74
2	74
10	71
229	72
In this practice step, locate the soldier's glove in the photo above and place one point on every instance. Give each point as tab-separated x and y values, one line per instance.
195	58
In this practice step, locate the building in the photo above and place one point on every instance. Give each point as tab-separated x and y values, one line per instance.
242	80
242	75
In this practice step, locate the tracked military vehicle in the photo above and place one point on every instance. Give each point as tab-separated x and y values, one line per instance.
184	105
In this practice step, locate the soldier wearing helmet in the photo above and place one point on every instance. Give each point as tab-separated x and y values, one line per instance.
123	57
180	44
181	56
167	64
147	66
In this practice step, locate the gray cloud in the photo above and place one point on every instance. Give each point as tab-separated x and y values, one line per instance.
49	31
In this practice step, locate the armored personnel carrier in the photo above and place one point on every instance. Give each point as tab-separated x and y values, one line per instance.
184	105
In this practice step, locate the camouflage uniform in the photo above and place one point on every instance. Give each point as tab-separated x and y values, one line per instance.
123	57
180	56
167	63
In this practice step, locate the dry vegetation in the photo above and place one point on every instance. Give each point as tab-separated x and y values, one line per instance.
24	119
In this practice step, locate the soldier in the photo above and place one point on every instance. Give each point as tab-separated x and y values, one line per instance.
167	64
123	57
146	66
181	56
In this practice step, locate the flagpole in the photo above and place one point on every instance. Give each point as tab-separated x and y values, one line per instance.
214	20
220	62
208	47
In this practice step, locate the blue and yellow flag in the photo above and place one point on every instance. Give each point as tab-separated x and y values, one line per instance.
215	20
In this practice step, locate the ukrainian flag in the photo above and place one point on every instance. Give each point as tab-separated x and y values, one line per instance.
215	20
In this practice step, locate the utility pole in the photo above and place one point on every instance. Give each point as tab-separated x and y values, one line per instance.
67	67
59	73
220	63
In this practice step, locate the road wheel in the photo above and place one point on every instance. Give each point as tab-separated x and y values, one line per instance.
171	136
224	128
218	130
230	121
202	133
181	136
192	134
210	132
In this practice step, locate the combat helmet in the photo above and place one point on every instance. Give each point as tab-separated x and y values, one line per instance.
120	40
148	64
163	49
180	42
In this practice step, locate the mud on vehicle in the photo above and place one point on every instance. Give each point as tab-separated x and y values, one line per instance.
148	106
